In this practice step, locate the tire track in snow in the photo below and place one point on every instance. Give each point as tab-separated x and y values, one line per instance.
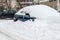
7	35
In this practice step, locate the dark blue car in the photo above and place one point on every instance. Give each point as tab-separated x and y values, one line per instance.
7	14
24	17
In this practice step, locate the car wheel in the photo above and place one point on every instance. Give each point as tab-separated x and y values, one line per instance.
15	19
32	19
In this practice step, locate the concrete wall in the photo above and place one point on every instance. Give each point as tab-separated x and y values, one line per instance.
13	4
44	0
51	4
41	0
58	5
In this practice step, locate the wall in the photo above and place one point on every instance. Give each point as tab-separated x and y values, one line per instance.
51	4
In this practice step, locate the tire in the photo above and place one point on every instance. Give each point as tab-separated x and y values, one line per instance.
32	19
15	19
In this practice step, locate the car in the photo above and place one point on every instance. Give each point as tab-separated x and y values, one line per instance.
7	14
24	18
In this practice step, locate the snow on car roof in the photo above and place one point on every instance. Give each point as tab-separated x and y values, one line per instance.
39	11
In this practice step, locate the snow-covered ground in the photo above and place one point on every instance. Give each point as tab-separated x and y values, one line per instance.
45	27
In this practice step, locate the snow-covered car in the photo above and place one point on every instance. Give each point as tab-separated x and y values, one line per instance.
36	11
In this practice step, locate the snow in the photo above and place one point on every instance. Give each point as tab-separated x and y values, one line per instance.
41	11
45	27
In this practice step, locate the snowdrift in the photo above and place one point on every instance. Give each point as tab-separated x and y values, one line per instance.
41	11
45	27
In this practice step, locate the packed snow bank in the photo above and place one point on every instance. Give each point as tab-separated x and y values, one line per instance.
21	31
41	29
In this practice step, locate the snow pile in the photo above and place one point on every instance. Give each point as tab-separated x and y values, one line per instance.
46	28
41	11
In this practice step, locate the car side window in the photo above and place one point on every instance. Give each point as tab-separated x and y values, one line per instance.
22	12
